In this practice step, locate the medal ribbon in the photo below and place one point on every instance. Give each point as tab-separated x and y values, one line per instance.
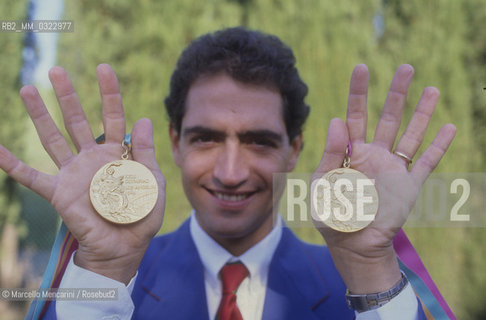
425	289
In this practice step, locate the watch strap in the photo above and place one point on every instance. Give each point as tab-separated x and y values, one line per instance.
366	302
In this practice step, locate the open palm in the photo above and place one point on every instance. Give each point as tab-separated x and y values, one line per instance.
109	249
398	185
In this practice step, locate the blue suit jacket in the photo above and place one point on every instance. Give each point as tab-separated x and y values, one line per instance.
302	281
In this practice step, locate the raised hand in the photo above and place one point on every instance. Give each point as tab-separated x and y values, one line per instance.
106	248
366	259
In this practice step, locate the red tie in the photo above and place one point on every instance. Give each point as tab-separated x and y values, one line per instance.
232	275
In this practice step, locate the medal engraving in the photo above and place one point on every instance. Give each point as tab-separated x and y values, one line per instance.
345	200
123	191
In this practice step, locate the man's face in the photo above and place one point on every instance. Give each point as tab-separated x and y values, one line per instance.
232	139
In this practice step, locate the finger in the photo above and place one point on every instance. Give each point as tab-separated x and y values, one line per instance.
337	140
74	118
50	136
143	146
357	115
391	116
414	134
431	157
36	181
113	117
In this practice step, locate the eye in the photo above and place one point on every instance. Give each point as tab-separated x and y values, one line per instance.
263	142
201	138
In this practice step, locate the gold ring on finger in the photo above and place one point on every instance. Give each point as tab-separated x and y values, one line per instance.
403	156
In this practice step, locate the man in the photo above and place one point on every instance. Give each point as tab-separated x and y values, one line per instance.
236	108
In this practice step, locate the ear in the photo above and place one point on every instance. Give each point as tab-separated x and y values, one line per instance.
296	147
174	141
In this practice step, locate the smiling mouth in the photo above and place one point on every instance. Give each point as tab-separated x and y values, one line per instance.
231	196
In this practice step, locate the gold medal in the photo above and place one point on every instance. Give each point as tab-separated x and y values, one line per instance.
123	191
344	199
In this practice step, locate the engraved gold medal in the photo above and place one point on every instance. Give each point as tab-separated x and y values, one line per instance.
344	199
123	191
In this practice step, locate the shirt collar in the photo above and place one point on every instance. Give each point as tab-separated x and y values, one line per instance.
213	256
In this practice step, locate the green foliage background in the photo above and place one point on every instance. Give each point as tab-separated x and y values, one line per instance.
445	41
12	111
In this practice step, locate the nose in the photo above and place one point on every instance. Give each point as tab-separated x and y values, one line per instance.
231	169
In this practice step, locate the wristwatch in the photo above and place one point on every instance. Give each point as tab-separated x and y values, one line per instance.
366	302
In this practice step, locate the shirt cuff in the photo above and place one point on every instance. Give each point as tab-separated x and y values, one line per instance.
106	306
403	307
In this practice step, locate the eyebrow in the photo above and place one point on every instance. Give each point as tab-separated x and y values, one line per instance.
202	130
269	134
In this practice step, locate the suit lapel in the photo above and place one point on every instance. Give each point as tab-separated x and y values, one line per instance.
295	286
175	281
302	283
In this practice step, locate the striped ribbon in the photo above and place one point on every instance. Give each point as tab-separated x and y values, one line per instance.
61	252
433	303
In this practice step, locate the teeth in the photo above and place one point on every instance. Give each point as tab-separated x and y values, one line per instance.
230	197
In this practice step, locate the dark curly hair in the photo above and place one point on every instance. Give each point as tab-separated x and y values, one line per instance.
247	56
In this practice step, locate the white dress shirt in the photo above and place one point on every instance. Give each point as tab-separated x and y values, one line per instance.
250	294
